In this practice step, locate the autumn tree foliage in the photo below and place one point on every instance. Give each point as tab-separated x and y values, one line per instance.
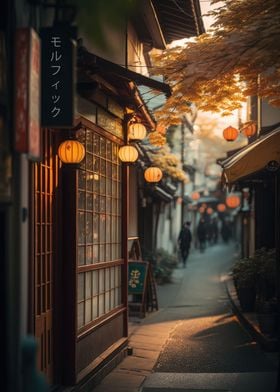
238	57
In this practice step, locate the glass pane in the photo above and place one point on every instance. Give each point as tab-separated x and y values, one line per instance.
108	252
107	279
112	277
81	286
102	204
96	146
108	186
89	162
81	179
89	140
103	167
81	227
95	256
81	200
108	228
96	183
96	202
102	147
114	188
81	314
107	301
95	228
101	304
89	255
81	255
89	228
89	201
88	285
109	150
94	282
115	153
112	294
102	227
101	281
96	164
114	172
94	307
88	309
102	185
108	205
102	253
89	179
109	170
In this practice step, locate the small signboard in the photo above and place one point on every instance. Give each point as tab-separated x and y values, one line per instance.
58	76
137	275
142	294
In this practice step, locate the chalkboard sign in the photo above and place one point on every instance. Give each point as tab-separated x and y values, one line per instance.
137	275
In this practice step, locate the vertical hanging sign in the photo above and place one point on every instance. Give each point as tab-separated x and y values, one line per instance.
58	77
27	93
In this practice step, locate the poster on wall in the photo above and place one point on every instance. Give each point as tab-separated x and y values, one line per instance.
27	93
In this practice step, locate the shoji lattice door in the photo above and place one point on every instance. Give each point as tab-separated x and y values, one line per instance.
45	181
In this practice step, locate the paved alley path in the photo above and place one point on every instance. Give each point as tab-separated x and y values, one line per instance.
208	348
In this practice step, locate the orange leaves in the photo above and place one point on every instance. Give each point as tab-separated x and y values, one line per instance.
220	69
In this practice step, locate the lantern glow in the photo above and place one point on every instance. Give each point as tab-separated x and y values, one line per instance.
137	131
128	154
71	151
230	133
221	207
195	195
233	201
153	174
249	129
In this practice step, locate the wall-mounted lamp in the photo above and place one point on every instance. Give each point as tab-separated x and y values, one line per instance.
128	154
71	151
136	131
153	174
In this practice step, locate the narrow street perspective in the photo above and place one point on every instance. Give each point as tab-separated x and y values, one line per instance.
195	342
140	195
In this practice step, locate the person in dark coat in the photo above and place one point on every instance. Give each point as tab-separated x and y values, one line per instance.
202	234
184	242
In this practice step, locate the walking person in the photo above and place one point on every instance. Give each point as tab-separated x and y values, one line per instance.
202	234
184	242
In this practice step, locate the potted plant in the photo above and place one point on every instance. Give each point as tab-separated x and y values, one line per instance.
245	276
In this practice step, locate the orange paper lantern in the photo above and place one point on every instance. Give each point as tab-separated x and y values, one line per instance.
230	133
233	201
195	195
128	154
71	151
137	131
250	129
221	207
153	174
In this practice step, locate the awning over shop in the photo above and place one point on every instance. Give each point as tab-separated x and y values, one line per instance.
252	158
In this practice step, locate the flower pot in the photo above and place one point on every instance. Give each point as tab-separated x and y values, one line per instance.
247	298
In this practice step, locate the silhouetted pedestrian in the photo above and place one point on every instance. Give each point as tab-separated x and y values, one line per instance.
184	242
201	234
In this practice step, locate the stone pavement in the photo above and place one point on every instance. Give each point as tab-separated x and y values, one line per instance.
147	338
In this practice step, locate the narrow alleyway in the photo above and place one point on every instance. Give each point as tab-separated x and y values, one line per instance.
208	341
194	342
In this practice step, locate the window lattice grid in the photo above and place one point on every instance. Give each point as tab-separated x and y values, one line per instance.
99	228
99	292
99	202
